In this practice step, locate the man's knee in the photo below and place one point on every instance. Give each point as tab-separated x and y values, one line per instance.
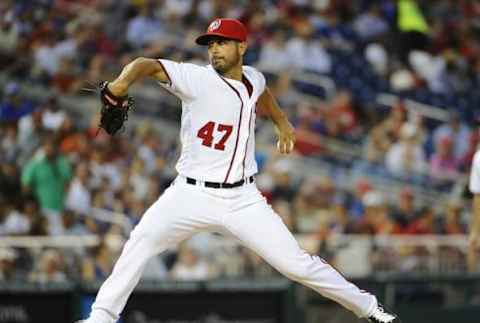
302	268
145	240
295	270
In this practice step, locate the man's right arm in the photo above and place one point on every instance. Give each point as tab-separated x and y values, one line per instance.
136	70
267	105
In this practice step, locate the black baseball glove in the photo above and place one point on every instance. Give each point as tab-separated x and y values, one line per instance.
114	111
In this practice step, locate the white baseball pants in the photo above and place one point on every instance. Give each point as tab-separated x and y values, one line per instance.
185	209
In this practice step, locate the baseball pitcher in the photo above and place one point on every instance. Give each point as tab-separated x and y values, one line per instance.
215	188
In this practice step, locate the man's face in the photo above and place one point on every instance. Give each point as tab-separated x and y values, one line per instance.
407	202
224	54
50	150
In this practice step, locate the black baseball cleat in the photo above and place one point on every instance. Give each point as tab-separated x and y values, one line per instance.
379	315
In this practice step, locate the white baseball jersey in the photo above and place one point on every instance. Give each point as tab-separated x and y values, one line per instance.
475	174
218	121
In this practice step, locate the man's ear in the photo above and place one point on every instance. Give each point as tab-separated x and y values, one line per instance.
242	46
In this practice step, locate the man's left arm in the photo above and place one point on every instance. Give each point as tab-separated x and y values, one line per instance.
268	106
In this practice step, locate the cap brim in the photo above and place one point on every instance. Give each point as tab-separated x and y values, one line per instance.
203	39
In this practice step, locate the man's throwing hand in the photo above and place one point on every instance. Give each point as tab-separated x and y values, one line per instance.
286	137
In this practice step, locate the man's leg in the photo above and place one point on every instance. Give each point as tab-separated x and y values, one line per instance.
259	228
167	222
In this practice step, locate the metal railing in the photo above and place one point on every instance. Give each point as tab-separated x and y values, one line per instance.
354	255
423	109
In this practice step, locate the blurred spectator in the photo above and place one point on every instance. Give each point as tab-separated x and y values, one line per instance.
422	132
402	79
431	69
377	56
36	221
306	52
283	90
53	117
9	34
149	149
155	270
30	132
452	221
377	218
66	78
342	221
50	51
273	55
406	157
99	267
103	169
13	222
314	204
178	8
46	176
51	268
3	213
155	188
307	126
457	131
385	134
8	144
283	187
342	122
39	223
8	272
10	188
135	208
370	24
443	164
405	211
189	265
74	143
145	27
424	222
362	187
78	196
14	106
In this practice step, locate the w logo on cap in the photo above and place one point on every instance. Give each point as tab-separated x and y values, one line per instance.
226	28
214	25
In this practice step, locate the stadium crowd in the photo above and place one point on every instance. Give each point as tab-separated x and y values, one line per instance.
55	173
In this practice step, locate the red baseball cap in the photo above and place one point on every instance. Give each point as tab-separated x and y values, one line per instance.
226	28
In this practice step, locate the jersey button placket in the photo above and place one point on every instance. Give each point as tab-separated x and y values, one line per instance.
239	125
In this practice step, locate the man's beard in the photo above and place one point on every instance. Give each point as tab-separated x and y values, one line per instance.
226	65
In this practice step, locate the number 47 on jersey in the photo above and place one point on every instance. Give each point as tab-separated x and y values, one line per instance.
206	133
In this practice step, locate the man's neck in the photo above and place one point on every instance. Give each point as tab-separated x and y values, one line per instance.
235	73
